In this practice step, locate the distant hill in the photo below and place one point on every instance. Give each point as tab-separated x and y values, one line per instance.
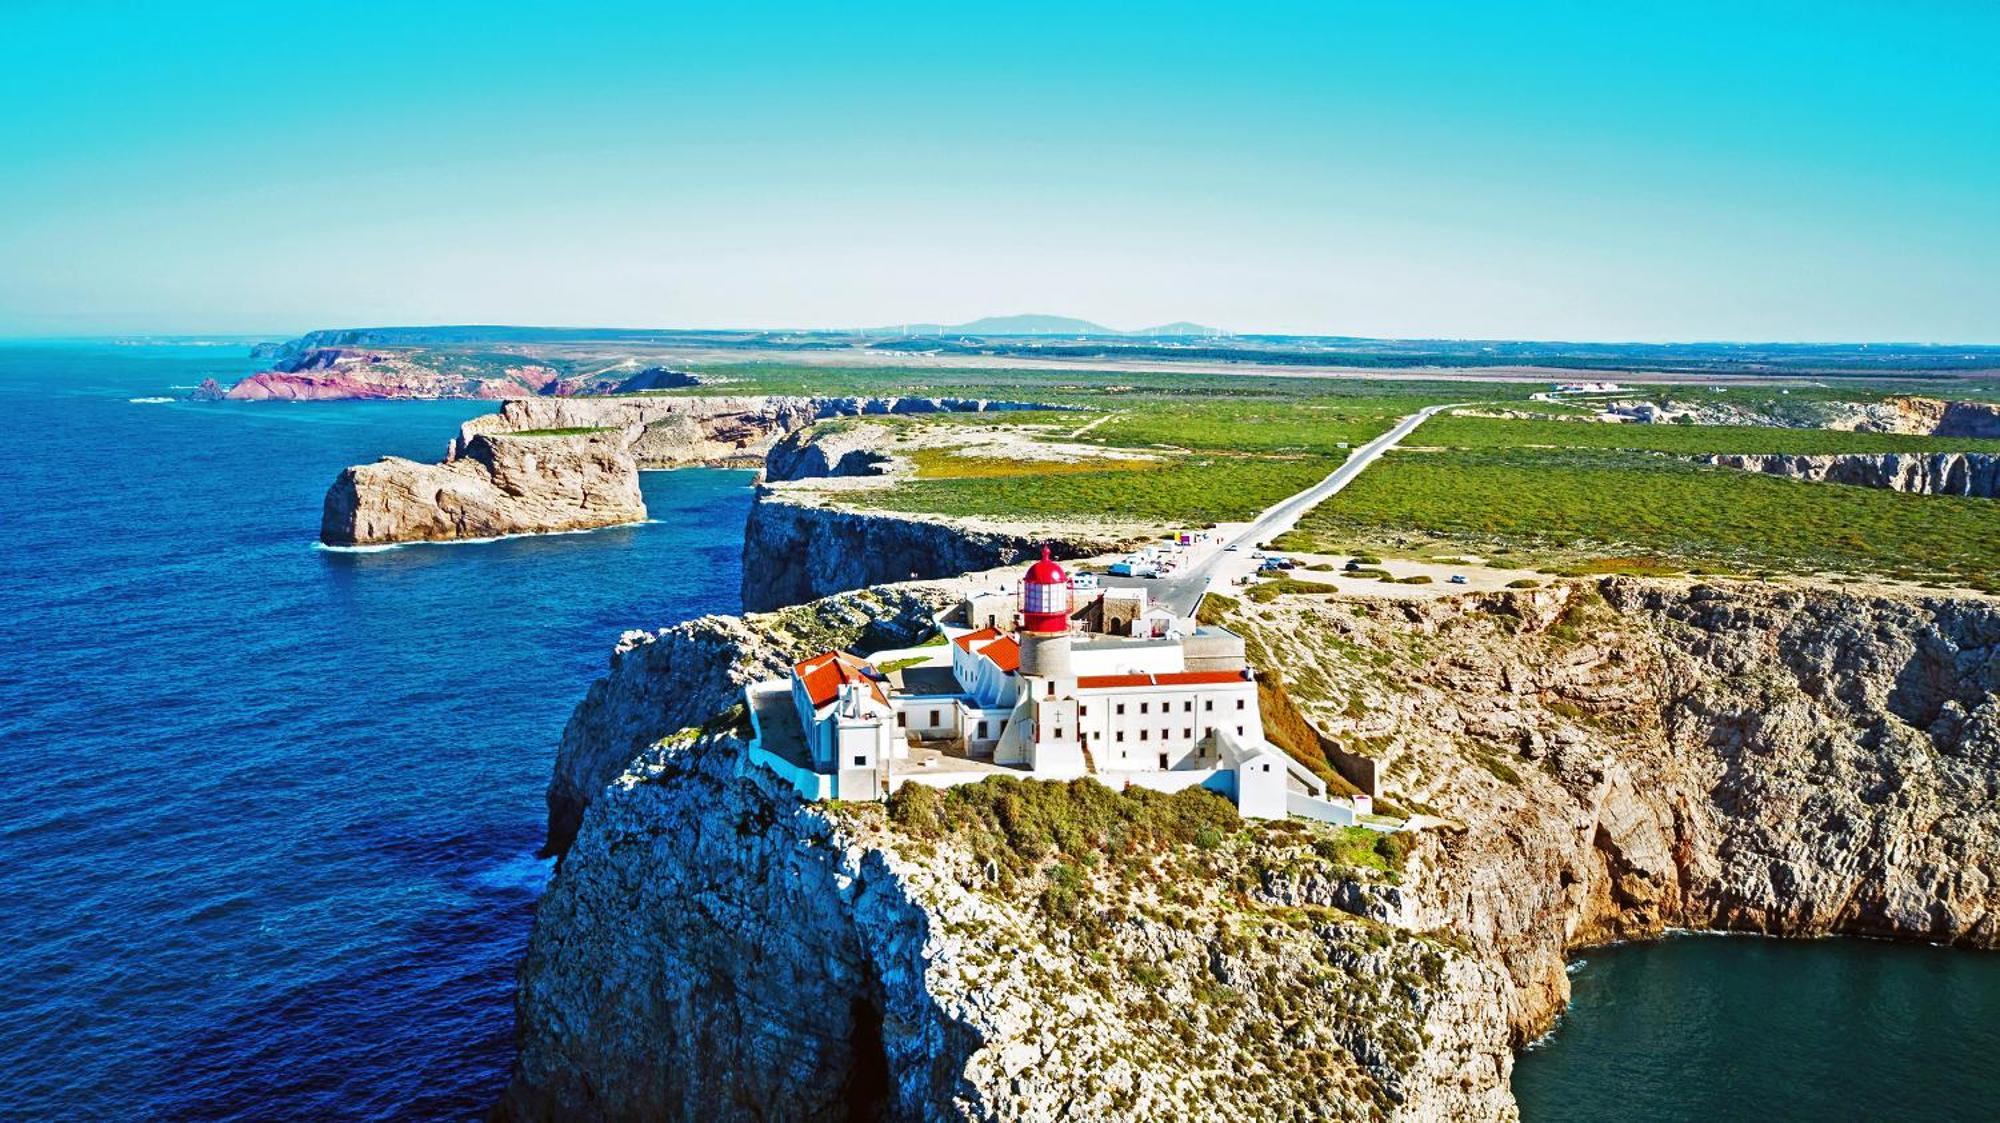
1038	325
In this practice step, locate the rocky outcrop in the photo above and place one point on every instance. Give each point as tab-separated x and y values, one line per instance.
796	551
1631	757
668	432
1616	758
337	373
497	485
829	451
311	370
1922	473
681	678
713	949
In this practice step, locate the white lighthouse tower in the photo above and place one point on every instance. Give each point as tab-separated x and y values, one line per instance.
1044	733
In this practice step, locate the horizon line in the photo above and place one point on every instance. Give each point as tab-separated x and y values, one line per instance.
1113	333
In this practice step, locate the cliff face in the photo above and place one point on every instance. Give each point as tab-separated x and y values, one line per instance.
681	678
816	453
500	485
713	949
1934	473
1619	757
667	432
1632	757
795	552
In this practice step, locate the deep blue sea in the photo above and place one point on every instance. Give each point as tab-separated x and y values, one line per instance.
267	845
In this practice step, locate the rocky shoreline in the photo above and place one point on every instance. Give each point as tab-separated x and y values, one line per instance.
1620	757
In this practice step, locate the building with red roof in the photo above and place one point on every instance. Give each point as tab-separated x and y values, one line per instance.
1164	711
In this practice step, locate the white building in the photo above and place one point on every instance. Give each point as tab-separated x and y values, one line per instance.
1166	713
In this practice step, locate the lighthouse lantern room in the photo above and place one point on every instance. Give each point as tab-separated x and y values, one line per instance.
1045	598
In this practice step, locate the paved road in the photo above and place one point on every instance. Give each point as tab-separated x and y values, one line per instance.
1183	590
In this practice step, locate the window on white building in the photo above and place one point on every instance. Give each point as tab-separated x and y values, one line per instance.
937	718
1120	735
1207	704
1143	733
982	731
1239	703
902	719
1121	708
1187	707
1163	762
860	762
1143	706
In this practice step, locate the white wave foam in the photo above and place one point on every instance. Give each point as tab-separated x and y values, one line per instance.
525	874
148	401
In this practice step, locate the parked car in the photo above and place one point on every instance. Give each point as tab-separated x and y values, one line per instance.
1458	578
1229	549
1083	581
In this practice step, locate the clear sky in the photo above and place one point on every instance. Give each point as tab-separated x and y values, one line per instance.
1811	171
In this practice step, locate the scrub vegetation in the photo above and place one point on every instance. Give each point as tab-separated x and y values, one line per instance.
1188	490
1584	510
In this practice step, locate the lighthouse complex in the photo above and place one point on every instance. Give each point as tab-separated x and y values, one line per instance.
1054	690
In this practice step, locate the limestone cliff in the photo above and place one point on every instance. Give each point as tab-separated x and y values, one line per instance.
822	453
667	432
683	677
713	949
1618	758
1922	473
497	485
1630	757
491	483
796	549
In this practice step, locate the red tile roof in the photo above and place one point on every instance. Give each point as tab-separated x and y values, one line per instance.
1171	678
994	645
966	641
1005	653
824	674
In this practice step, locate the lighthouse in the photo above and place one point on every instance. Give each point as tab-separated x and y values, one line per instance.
1052	742
1045	593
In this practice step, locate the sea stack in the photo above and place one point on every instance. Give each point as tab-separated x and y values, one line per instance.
499	484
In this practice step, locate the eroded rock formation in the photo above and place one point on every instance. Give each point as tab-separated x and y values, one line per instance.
796	550
498	484
1620	758
1922	473
594	482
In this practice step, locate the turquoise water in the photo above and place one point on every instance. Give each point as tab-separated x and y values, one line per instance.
268	840
1736	1028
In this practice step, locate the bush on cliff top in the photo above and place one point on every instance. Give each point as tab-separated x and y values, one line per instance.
1021	824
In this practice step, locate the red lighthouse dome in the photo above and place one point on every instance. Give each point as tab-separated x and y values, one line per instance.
1045	597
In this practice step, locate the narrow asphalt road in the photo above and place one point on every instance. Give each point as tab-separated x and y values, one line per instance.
1183	590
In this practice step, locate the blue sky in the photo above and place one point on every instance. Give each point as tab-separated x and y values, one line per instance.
1693	171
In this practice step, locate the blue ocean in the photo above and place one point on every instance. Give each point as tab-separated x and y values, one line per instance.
272	811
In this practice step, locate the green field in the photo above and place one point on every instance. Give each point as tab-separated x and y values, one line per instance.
1633	510
1195	489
